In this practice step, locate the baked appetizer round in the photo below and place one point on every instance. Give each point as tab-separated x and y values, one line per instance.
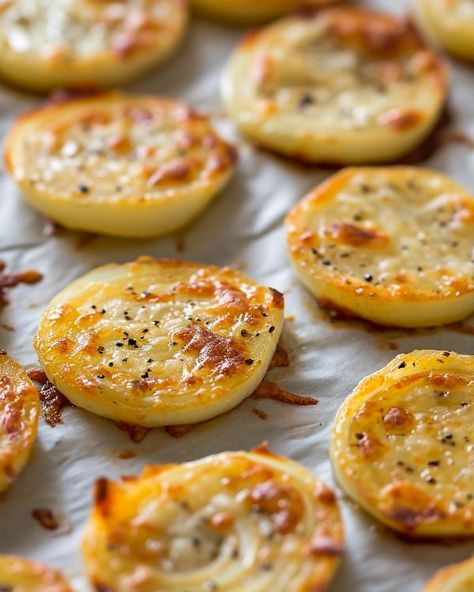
120	165
391	245
23	575
234	521
19	411
455	578
250	11
342	85
450	23
402	444
45	45
160	342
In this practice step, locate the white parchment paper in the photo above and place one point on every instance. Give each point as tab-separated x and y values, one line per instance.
243	227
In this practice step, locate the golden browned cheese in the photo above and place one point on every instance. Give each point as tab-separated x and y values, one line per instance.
234	521
160	342
19	411
455	578
23	575
391	245
449	24
402	444
342	85
120	165
45	45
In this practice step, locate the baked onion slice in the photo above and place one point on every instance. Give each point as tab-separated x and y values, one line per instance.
121	165
402	444
449	23
160	342
342	86
65	43
455	578
393	245
232	522
19	411
23	575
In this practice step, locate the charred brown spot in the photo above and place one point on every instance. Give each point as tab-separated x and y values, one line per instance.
223	355
223	160
263	449
53	402
459	137
401	119
307	238
463	329
102	588
401	278
397	417
463	212
119	144
269	390
260	413
136	433
278	298
11	280
222	521
176	170
46	518
282	503
37	375
9	472
131	43
10	419
356	236
324	545
370	447
126	454
372	32
179	431
412	518
280	358
408	504
79	91
445	381
101	491
62	345
324	494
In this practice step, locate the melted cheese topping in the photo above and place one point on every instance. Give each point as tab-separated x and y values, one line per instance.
393	245
249	11
343	85
235	521
403	448
70	42
19	410
130	166
22	575
159	342
455	578
450	23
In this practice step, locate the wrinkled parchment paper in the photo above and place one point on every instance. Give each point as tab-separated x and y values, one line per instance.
244	228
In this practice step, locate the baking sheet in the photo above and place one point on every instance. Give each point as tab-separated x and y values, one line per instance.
243	228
